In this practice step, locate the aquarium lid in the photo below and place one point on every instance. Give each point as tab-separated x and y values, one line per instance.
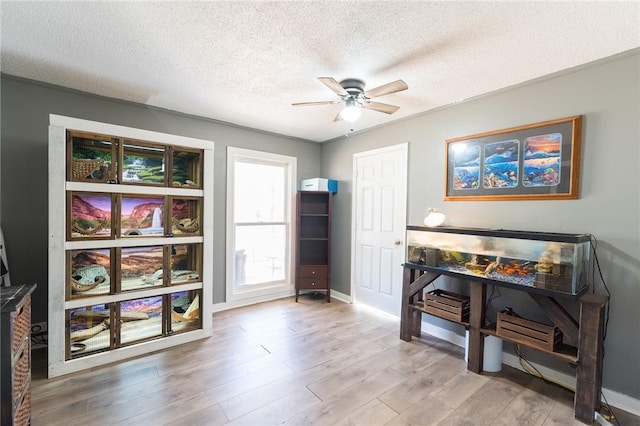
506	233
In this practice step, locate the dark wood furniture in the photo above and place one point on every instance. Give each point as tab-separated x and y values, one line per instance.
583	348
313	243
15	356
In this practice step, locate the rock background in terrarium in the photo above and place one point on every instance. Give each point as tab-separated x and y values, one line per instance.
141	267
141	216
90	216
184	216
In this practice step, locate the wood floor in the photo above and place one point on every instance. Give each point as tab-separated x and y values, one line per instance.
306	363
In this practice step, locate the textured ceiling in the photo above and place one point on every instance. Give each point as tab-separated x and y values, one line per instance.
246	62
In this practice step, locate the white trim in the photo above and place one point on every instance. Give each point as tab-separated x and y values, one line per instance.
127	132
340	296
267	291
126	352
130	295
130	189
404	147
131	242
615	399
224	306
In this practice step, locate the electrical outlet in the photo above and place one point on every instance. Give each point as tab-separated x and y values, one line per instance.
39	328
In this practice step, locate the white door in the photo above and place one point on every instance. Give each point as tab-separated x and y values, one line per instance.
379	226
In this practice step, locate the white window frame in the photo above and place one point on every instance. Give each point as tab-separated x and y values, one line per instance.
265	291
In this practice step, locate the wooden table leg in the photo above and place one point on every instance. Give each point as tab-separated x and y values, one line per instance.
406	316
590	355
477	302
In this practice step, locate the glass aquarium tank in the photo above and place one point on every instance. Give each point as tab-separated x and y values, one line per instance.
187	168
185	216
551	262
140	319
88	272
88	330
185	265
90	216
141	216
141	267
185	311
143	164
92	157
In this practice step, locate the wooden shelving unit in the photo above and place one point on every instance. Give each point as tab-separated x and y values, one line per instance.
130	224
313	245
584	336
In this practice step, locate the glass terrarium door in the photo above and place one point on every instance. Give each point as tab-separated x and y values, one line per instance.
141	267
140	319
185	311
89	273
141	216
185	263
90	157
186	216
90	215
186	170
143	164
88	330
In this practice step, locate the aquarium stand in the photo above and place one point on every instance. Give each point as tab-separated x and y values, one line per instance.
585	334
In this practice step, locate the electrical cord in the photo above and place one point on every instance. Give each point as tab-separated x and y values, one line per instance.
39	339
594	244
530	369
495	293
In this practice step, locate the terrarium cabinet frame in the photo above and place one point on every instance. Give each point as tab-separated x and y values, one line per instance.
60	244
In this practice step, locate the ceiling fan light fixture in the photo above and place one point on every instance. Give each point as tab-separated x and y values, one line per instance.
352	111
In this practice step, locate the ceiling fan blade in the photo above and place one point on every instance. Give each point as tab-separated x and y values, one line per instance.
338	117
386	89
315	103
333	85
378	106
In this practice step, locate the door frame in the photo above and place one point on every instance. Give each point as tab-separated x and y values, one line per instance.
404	148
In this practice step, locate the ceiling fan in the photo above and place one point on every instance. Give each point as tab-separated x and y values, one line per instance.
352	93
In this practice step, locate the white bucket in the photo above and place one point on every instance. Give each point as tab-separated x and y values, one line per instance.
492	359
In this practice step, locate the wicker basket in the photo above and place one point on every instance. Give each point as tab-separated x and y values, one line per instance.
21	326
21	374
192	227
82	168
22	415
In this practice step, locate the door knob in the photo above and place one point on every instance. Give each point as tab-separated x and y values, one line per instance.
397	242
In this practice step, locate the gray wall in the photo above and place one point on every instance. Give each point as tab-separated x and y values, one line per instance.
608	96
26	106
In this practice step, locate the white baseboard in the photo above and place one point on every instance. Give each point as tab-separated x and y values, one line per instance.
219	307
615	399
340	296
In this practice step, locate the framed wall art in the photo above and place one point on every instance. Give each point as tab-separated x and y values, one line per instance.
532	162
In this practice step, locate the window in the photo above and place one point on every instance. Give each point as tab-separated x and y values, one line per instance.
260	191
